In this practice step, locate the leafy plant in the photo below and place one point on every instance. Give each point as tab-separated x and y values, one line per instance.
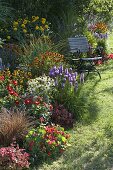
23	29
61	116
13	157
41	86
46	142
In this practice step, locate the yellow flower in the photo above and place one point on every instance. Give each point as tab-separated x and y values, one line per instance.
15	29
46	26
24	30
8	37
36	18
25	21
15	23
43	20
37	27
23	25
41	28
33	17
31	35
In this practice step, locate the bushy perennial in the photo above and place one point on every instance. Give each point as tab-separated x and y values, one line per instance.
40	85
13	158
47	141
62	76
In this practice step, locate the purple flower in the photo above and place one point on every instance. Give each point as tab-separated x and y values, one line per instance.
56	82
76	86
82	78
66	75
56	71
61	69
66	71
63	85
76	74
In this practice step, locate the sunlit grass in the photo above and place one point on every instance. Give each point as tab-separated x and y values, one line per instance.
92	136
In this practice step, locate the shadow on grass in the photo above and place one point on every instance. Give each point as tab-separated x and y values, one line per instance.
86	104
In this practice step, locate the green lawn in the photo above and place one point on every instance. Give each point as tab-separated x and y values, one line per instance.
92	136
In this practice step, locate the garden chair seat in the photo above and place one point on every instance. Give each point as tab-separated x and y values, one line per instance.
80	45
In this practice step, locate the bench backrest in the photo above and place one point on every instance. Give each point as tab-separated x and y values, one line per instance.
78	44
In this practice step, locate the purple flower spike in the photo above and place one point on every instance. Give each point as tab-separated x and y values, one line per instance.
82	78
64	79
71	83
66	75
70	69
63	85
54	68
66	71
61	69
57	72
71	79
76	74
56	82
76	86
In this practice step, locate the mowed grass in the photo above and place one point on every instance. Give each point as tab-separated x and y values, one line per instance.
92	135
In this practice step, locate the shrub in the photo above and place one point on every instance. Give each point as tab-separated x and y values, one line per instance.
46	141
38	56
13	157
13	124
61	116
38	109
41	86
12	86
24	29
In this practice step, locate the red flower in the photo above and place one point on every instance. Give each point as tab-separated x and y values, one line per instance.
2	78
61	150
11	92
15	94
16	102
49	153
51	107
27	101
9	88
41	119
15	82
37	103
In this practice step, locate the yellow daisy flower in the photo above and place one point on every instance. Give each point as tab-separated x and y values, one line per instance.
15	29
8	37
43	20
41	28
37	27
15	23
46	26
25	21
23	25
24	30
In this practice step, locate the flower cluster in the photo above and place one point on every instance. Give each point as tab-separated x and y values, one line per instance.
19	75
41	86
65	76
47	141
61	116
99	30
13	157
47	60
25	27
38	109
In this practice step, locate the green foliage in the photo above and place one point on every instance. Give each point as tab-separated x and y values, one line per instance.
6	11
101	10
46	142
